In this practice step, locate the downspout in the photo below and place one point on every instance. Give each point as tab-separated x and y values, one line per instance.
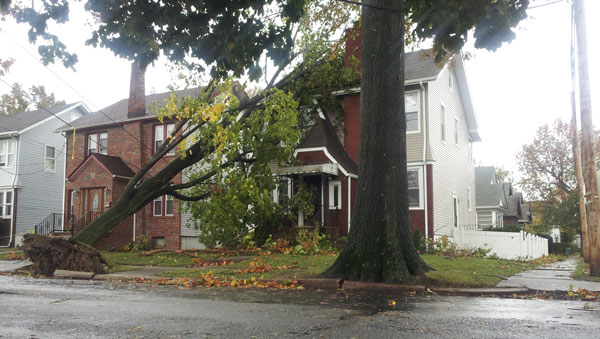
64	182
349	200
12	186
134	223
425	127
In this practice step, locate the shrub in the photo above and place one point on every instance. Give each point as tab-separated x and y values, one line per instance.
418	240
141	243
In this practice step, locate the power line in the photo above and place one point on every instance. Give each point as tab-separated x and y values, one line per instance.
546	4
81	95
69	124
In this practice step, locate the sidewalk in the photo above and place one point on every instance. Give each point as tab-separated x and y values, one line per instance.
553	277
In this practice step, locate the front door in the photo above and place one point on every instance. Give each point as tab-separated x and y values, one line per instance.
313	184
93	203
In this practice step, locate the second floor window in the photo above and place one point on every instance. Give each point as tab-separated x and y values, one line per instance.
456	131
8	152
443	123
163	206
97	143
411	108
50	159
161	133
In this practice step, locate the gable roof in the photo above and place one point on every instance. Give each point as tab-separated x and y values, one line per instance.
117	112
488	193
514	205
19	121
114	166
419	65
322	134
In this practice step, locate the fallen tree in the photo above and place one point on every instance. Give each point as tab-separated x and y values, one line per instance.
49	254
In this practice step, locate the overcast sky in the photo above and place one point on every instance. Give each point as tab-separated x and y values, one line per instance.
515	89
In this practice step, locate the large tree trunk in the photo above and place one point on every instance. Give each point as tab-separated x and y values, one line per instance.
588	152
380	246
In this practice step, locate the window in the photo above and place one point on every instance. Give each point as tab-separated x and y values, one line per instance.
163	206
158	242
50	159
97	143
335	195
443	122
8	151
468	198
450	80
411	108
456	130
161	133
6	203
414	187
455	210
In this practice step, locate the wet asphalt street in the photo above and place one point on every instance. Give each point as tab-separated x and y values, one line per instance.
55	308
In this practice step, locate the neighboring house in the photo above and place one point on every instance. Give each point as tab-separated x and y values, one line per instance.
491	198
441	127
32	169
515	214
110	146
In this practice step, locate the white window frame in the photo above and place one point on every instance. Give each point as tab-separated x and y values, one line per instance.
96	143
166	130
443	122
163	200
456	131
494	218
48	160
470	152
171	200
332	204
455	216
469	193
418	130
5	152
4	204
450	80
420	181
160	210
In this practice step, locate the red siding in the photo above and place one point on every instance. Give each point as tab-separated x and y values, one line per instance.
312	157
352	125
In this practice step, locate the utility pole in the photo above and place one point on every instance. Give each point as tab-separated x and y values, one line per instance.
588	153
577	151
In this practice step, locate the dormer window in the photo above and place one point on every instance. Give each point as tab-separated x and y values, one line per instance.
97	143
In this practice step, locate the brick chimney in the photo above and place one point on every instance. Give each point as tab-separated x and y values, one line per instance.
137	92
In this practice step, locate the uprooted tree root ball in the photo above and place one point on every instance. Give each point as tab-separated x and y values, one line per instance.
49	254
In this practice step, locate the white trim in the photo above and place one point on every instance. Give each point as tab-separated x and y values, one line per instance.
53	116
443	126
450	80
420	182
53	170
469	200
349	202
408	82
332	185
327	154
154	207
455	222
456	134
165	208
417	92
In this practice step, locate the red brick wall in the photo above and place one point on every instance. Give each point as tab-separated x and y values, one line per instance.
122	144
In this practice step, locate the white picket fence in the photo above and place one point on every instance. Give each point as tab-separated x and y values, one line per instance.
507	245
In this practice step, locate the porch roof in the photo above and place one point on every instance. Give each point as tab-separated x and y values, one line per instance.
327	168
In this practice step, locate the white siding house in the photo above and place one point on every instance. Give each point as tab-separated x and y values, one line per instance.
32	169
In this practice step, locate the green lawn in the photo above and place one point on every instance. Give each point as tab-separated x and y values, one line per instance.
456	272
583	272
5	254
158	259
469	271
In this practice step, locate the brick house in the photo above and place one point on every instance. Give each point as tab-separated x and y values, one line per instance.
441	127
109	146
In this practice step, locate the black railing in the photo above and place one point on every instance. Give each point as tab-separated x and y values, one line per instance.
53	223
85	220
